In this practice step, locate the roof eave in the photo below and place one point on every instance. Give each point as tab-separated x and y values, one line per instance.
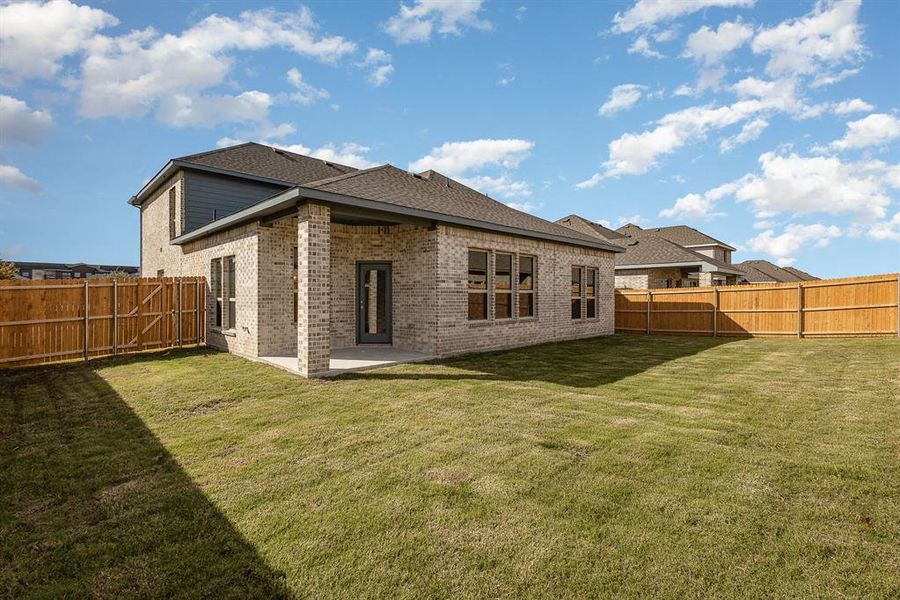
284	199
716	243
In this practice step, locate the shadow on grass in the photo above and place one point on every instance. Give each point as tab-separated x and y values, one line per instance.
583	363
92	504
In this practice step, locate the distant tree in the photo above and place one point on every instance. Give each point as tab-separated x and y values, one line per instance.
8	270
118	273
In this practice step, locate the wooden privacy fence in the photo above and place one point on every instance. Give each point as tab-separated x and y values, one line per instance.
54	320
859	306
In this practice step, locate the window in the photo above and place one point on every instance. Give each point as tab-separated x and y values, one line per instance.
590	293
576	292
215	277
161	273
228	273
172	211
503	286
478	285
526	286
222	276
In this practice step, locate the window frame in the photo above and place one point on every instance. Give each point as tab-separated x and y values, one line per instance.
215	278
173	211
484	292
592	297
579	298
496	292
530	292
230	286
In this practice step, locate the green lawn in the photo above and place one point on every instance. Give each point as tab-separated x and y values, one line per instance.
628	465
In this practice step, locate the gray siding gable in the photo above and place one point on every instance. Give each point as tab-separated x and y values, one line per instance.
209	196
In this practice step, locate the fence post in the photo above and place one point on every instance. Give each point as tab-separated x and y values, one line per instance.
799	310
87	308
715	312
649	303
180	312
197	307
115	315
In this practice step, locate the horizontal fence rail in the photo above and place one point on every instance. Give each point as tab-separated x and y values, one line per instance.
45	321
858	306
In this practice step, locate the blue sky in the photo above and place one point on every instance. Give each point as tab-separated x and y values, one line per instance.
773	126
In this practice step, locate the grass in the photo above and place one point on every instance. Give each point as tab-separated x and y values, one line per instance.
625	466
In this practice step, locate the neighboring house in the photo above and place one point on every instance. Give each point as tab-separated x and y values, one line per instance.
762	271
663	257
45	270
304	256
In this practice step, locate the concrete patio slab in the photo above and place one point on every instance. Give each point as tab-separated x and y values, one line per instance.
357	358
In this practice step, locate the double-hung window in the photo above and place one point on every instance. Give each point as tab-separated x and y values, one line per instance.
503	286
576	292
478	285
590	293
215	277
222	276
526	286
172	213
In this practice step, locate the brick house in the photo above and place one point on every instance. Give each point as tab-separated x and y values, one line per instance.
663	257
306	257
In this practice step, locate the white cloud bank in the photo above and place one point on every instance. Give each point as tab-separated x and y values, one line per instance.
711	46
20	124
647	13
873	130
785	246
416	23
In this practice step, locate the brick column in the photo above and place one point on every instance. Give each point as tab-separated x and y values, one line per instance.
706	279
313	288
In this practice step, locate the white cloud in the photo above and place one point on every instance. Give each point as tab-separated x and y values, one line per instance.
349	154
416	23
127	75
828	78
633	219
795	184
379	63
636	153
749	132
646	13
710	46
827	36
873	130
528	207
10	175
642	46
699	206
21	124
35	36
852	106
785	246
691	206
666	35
181	110
502	186
455	158
886	230
306	93
621	97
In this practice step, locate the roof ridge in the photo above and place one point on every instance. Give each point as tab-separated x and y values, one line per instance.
208	152
320	182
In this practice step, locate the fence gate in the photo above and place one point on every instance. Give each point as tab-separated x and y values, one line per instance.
54	320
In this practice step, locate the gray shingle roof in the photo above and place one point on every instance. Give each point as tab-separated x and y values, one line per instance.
762	271
801	274
431	191
680	234
268	162
650	249
581	224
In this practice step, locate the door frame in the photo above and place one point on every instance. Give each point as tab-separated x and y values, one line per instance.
386	268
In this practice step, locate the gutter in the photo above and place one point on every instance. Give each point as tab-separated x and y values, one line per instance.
290	197
705	266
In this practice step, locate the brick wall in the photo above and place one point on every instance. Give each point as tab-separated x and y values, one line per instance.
552	320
